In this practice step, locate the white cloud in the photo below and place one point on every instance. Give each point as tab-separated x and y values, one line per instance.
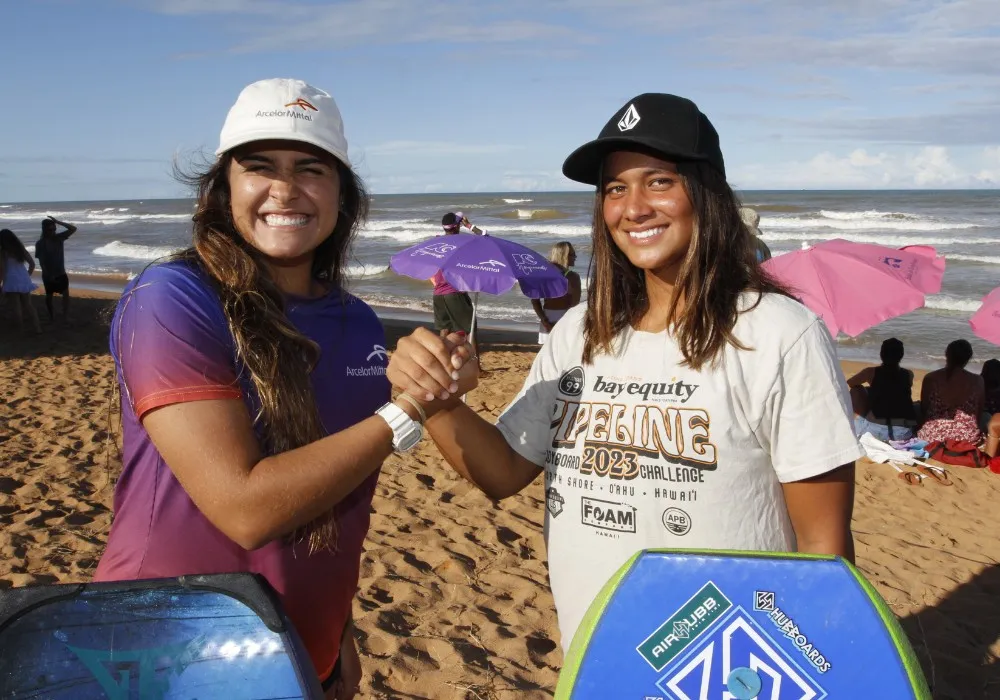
932	167
307	26
928	167
536	181
990	173
430	149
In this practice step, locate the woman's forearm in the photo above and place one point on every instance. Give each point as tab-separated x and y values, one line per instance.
477	450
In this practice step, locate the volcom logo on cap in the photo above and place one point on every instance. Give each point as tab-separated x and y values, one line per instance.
629	119
303	103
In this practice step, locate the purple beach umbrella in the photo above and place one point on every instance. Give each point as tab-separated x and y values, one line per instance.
487	264
472	263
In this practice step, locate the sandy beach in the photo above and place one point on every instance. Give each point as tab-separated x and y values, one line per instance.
453	599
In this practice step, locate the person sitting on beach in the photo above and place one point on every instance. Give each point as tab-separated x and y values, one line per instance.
15	280
885	409
254	405
951	399
51	258
751	218
551	310
452	308
990	421
689	381
991	386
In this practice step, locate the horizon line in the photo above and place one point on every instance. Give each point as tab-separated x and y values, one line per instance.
530	192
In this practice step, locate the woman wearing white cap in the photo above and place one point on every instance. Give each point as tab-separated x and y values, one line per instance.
250	380
691	399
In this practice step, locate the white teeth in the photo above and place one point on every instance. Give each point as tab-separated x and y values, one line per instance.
648	233
285	220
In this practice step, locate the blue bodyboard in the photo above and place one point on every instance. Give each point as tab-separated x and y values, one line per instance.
212	636
677	625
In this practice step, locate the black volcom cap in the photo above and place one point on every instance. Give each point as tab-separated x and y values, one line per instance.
667	126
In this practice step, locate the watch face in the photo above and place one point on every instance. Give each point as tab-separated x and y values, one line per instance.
410	440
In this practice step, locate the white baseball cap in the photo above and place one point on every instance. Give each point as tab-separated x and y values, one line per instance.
287	109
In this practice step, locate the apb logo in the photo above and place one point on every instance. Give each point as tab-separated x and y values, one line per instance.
554	502
676	521
607	515
571	382
737	655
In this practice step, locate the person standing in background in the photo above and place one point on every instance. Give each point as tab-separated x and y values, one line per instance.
752	220
15	280
551	310
452	308
51	258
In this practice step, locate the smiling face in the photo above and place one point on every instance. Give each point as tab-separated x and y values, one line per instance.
285	198
648	212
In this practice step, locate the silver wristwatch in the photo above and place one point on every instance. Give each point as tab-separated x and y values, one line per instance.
406	432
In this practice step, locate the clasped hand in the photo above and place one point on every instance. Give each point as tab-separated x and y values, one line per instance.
432	369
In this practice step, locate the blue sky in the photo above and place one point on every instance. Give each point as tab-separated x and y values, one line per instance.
491	95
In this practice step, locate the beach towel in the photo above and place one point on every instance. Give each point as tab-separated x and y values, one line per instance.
882	452
963	454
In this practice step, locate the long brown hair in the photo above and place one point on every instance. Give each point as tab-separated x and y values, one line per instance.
11	245
719	267
276	357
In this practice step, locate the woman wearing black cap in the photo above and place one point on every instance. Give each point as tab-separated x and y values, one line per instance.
692	403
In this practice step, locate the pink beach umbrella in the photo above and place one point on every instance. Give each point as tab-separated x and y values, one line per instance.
854	286
986	322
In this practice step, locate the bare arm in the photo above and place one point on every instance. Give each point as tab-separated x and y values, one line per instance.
211	448
863	377
980	396
474	447
536	304
70	228
575	288
925	397
820	509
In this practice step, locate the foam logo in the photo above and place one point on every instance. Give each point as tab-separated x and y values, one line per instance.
735	659
607	515
302	103
629	119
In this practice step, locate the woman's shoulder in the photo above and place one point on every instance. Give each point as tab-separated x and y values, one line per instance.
773	318
171	272
172	282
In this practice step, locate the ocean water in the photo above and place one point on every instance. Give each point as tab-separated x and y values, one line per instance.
117	239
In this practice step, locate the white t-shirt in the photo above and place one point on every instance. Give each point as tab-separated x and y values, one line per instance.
642	452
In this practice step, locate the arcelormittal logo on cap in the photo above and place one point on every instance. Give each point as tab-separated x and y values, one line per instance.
629	119
303	103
